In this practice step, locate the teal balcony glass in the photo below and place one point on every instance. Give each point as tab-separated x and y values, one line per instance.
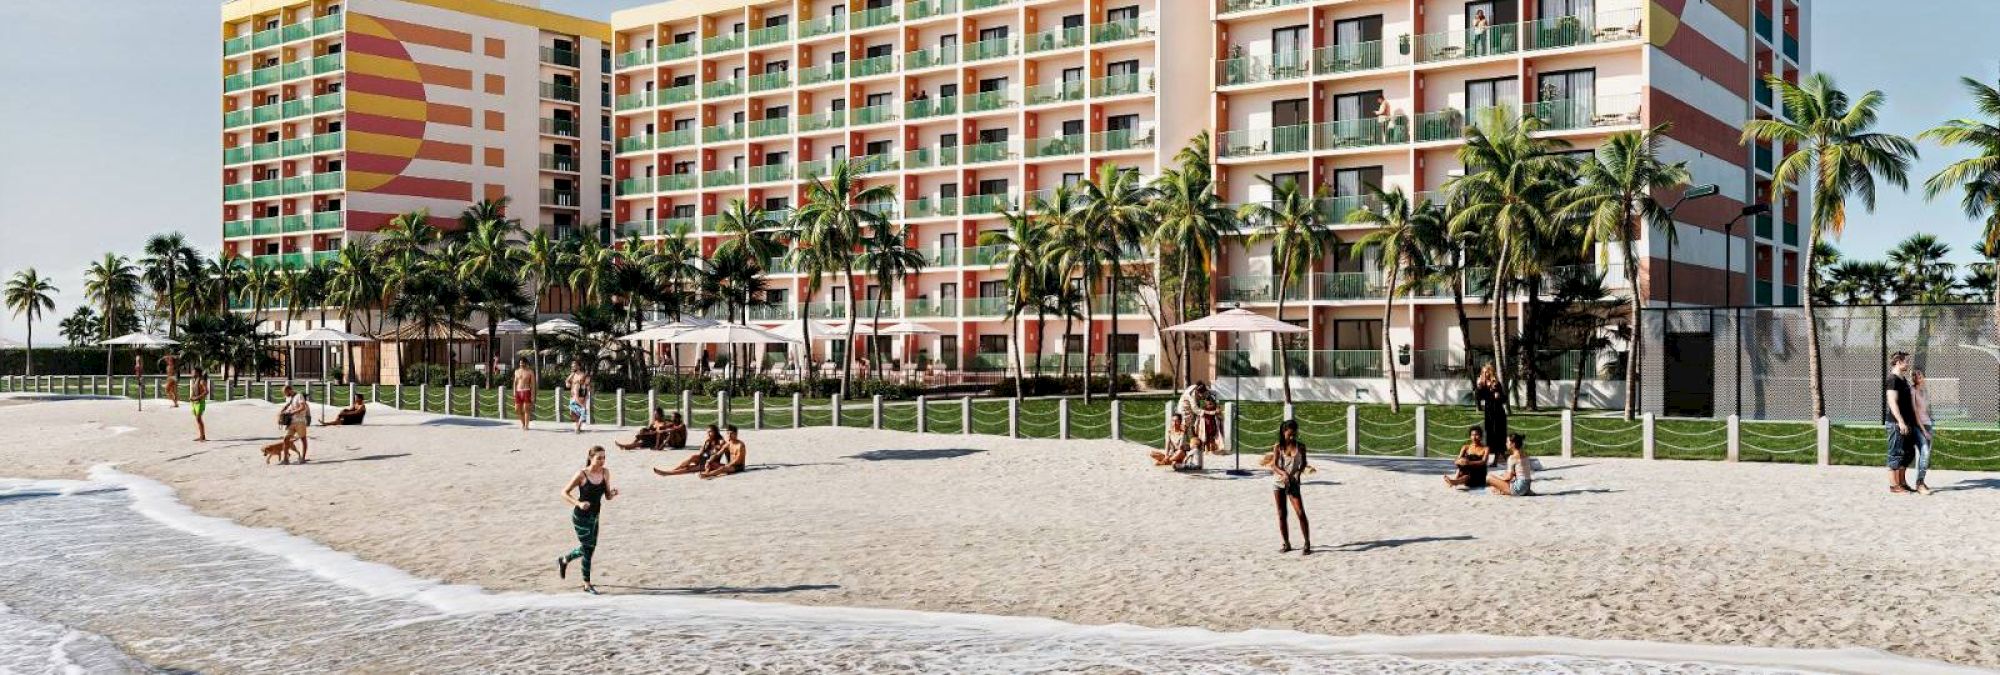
987	255
238	192
633	101
1056	92
770	127
674	51
1126	29
327	220
1335	210
722	133
293	224
976	5
770	35
1051	40
769	81
924	158
553	162
989	49
930	58
924	9
1233	6
770	173
1360	133
831	119
988	306
931	207
1123	140
817	168
635	186
675	182
675	95
560	57
1123	85
823	26
867	164
1264	68
721	88
675	138
880	16
1470	43
931	107
236	228
832	72
921	308
985	101
826	310
1584	113
322	65
1349	58
878	65
722	43
1791	48
635	228
985	204
267	226
634	58
988	152
721	177
559	127
874	114
1055	146
1268	141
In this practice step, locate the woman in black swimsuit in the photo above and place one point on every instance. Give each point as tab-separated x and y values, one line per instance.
703	459
1471	463
592	486
1492	402
1288	468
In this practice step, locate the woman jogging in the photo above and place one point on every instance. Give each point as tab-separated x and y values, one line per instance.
591	486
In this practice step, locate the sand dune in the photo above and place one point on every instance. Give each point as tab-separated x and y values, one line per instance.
1762	555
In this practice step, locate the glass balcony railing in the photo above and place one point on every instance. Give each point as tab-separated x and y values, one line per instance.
987	306
674	95
1246	289
817	168
674	182
827	25
1361	133
560	57
272	37
770	127
635	186
559	127
832	72
1233	6
722	133
559	91
1354	57
989	49
931	207
770	173
561	198
1350	286
722	43
922	308
1056	92
633	101
299	107
1336	210
1260	142
1584	113
826	310
770	35
1763	292
1470	43
1125	29
872	66
635	228
874	114
924	9
930	58
867	164
831	119
880	16
1123	85
1054	39
989	152
675	51
978	256
1264	68
674	138
984	204
1055	146
924	158
721	88
999	99
930	107
976	5
553	162
721	178
1791	48
1122	140
773	80
1584	29
634	59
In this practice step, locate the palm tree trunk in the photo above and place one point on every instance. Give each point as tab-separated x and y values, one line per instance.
847	363
1464	327
1389	349
1530	343
1498	293
875	336
1069	325
30	368
1284	360
1089	323
1020	346
1812	334
1041	338
1186	370
1633	341
1111	342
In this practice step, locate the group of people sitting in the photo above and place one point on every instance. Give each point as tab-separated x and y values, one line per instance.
1473	468
1194	428
722	453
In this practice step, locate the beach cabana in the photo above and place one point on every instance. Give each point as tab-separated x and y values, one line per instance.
136	340
727	334
389	365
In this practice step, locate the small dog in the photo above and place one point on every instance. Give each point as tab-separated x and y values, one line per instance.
282	450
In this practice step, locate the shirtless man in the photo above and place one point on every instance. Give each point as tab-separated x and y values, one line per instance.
579	394
173	380
524	393
734	456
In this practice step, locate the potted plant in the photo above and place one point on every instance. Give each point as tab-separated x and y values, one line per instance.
1403	44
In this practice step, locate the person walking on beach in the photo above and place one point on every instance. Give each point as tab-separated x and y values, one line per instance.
1492	402
1900	421
1926	430
172	366
296	417
524	393
1287	462
579	394
586	493
198	401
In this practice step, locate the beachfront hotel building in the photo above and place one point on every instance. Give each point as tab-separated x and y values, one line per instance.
340	114
970	107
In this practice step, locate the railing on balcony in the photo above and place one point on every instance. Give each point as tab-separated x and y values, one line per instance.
1055	146
880	16
985	101
634	58
987	305
674	51
874	65
1350	286
553	162
633	101
770	35
1233	6
1445	125
677	226
722	43
675	181
826	310
1468	43
874	114
867	164
924	9
1609	110
721	88
831	72
1121	140
989	49
635	186
1054	39
1584	29
673	95
560	57
931	207
814	169
674	138
1263	68
554	197
1361	133
989	152
930	58
1135	28
1056	92
635	228
772	80
826	25
272	37
1124	85
770	126
1335	210
559	127
923	308
1354	57
987	255
722	133
930	107
721	177
831	119
1268	141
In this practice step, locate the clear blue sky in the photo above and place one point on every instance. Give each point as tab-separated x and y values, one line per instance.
108	131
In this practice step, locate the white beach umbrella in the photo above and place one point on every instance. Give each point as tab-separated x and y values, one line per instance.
558	326
818	330
324	337
908	328
140	340
683	323
1237	320
727	334
508	327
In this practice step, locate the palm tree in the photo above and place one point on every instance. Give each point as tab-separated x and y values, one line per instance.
1048	287
1115	207
834	216
113	283
542	263
80	326
1978	177
1843	157
1191	221
167	257
1615	192
591	267
1922	275
490	265
1400	230
1508	191
1293	225
1824	258
354	284
1074	248
29	295
1024	241
890	257
260	282
746	237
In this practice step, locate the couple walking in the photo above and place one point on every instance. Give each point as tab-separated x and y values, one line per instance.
1906	416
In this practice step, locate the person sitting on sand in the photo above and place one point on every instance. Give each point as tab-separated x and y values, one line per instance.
1519	481
350	415
1177	443
651	435
734	458
677	432
1288	465
1471	462
705	458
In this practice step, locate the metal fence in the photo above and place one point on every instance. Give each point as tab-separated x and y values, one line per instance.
1753	361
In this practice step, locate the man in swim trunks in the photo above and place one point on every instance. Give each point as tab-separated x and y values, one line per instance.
579	394
198	400
735	456
172	366
524	393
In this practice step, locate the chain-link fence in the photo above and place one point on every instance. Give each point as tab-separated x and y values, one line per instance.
1753	361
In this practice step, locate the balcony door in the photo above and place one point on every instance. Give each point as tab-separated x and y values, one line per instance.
1356	106
1567	85
1289	45
1288	112
1556	9
1353	32
1482	94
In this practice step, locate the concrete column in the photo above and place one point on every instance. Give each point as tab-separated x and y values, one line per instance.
1013	418
1062	419
757	409
618	406
965	415
1825	440
1646	435
1735	439
1568	435
835	403
1117	419
1353	431
1423	432
923	421
798	410
876	408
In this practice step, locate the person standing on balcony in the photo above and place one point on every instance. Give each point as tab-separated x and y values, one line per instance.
1479	30
1900	421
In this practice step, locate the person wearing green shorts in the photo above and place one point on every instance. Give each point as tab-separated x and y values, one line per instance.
198	401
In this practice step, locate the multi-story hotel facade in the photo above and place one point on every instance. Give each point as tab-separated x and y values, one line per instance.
971	107
340	114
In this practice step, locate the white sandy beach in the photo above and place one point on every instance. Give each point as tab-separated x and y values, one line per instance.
1087	531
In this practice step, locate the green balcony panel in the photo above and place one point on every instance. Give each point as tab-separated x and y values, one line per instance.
823	26
236	228
1442	125
1361	133
236	155
769	81
1123	85
930	58
770	173
236	45
984	204
924	9
1056	146
722	133
675	181
327	220
322	65
770	127
236	82
560	91
989	49
635	143
1264	68
635	186
674	51
878	65
976	5
880	16
988	101
721	177
931	107
832	72
875	114
1335	210
329	24
1056	92
924	308
633	101
1128	29
560	57
987	255
721	88
239	192
722	43
987	306
814	169
1232	6
988	152
674	95
293	224
1051	40
559	127
867	164
235	118
831	119
1470	43
637	57
1561	31
1259	142
1123	140
770	35
1348	58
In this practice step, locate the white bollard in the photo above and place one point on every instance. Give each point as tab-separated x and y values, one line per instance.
923	416
722	409
503	402
399	395
267	390
1013	418
1167	421
446	408
1353	431
834	404
618	406
877	408
965	415
424	397
687	407
1289	414
1568	435
1062	419
798	410
1117	418
1646	436
1825	440
1423	432
473	402
1734	439
757	410
653	402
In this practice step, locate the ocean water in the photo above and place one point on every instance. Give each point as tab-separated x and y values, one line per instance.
114	575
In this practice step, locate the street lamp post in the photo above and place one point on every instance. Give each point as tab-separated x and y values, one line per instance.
1673	239
1729	290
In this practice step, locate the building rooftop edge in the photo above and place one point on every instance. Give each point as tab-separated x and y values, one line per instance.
673	10
501	10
